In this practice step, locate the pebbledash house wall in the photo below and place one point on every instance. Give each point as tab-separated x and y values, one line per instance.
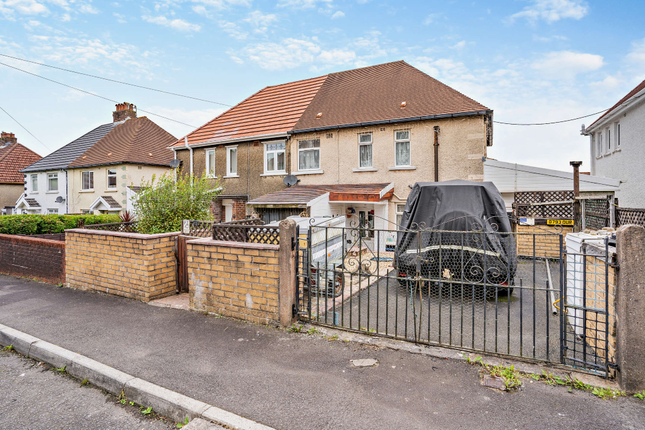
138	266
35	258
462	147
235	279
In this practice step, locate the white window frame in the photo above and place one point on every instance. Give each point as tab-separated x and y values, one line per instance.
91	172
312	150
399	214
229	173
51	176
52	211
34	180
107	183
599	144
409	140
275	152
370	143
608	139
209	171
617	135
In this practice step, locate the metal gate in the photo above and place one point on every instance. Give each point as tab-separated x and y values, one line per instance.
479	290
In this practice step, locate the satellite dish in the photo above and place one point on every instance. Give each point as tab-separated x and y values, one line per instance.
290	180
59	199
175	163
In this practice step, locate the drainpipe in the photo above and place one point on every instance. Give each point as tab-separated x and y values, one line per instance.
436	153
191	154
576	195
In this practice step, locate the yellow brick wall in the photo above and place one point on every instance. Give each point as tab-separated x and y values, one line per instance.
238	280
547	240
132	265
601	295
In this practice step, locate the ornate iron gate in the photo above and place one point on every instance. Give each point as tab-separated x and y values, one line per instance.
465	290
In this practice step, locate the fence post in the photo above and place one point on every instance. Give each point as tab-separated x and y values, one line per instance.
288	287
630	307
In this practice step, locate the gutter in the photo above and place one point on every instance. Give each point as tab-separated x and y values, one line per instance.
392	121
282	135
191	154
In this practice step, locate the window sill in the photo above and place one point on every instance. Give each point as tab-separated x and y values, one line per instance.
111	190
365	169
231	176
310	172
33	193
52	192
87	191
210	177
402	168
617	150
274	174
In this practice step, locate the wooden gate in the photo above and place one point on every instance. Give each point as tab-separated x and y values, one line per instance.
182	264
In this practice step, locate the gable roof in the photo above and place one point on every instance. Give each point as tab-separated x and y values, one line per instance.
105	203
136	141
272	110
14	157
352	97
62	157
629	95
375	93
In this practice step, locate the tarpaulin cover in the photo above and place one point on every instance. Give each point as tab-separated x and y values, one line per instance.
482	251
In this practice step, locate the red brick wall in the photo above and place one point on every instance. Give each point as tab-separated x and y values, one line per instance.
239	209
218	210
35	258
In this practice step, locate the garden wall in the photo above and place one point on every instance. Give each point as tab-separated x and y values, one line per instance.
35	258
139	266
547	240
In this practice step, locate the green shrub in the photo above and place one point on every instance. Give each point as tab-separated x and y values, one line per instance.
47	224
162	204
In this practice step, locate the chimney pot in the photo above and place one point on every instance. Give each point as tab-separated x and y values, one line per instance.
7	138
123	111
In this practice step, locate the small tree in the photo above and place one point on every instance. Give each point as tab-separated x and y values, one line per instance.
162	204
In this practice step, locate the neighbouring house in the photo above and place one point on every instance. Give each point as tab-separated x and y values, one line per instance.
91	174
13	157
511	178
355	141
617	142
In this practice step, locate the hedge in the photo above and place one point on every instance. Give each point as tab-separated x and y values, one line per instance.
47	224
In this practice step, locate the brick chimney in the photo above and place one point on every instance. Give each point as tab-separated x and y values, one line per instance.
7	138
124	110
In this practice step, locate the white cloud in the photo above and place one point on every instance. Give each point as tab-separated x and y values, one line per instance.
459	45
25	7
567	64
336	56
233	30
338	14
176	24
432	18
302	4
258	19
552	10
280	56
88	8
637	54
609	83
120	18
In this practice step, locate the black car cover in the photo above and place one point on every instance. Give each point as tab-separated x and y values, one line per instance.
459	230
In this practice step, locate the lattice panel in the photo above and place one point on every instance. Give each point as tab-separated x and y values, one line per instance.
201	228
124	227
630	216
248	221
245	233
532	204
596	213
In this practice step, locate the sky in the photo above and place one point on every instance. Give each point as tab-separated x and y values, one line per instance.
528	60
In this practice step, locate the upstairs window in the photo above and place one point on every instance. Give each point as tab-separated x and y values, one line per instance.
111	179
309	154
231	161
365	150
210	163
87	181
599	144
608	140
617	135
274	158
52	181
402	147
34	183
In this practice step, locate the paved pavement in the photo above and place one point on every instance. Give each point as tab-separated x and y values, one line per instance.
290	380
33	397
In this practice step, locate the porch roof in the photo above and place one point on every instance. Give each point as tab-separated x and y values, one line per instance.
105	203
303	194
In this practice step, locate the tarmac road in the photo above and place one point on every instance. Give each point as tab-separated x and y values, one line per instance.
292	380
35	397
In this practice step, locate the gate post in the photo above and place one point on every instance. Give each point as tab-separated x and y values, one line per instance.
288	287
630	308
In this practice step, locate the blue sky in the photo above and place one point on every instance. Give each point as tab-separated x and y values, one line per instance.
528	60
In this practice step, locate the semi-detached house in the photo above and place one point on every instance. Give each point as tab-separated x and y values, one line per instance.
93	173
355	142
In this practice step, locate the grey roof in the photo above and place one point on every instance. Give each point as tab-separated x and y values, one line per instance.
111	202
61	158
32	203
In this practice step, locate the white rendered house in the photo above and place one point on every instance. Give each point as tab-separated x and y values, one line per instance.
617	142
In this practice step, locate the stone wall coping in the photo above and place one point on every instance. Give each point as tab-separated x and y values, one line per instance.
33	241
121	233
246	245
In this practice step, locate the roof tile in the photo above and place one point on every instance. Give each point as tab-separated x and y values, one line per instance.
14	157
